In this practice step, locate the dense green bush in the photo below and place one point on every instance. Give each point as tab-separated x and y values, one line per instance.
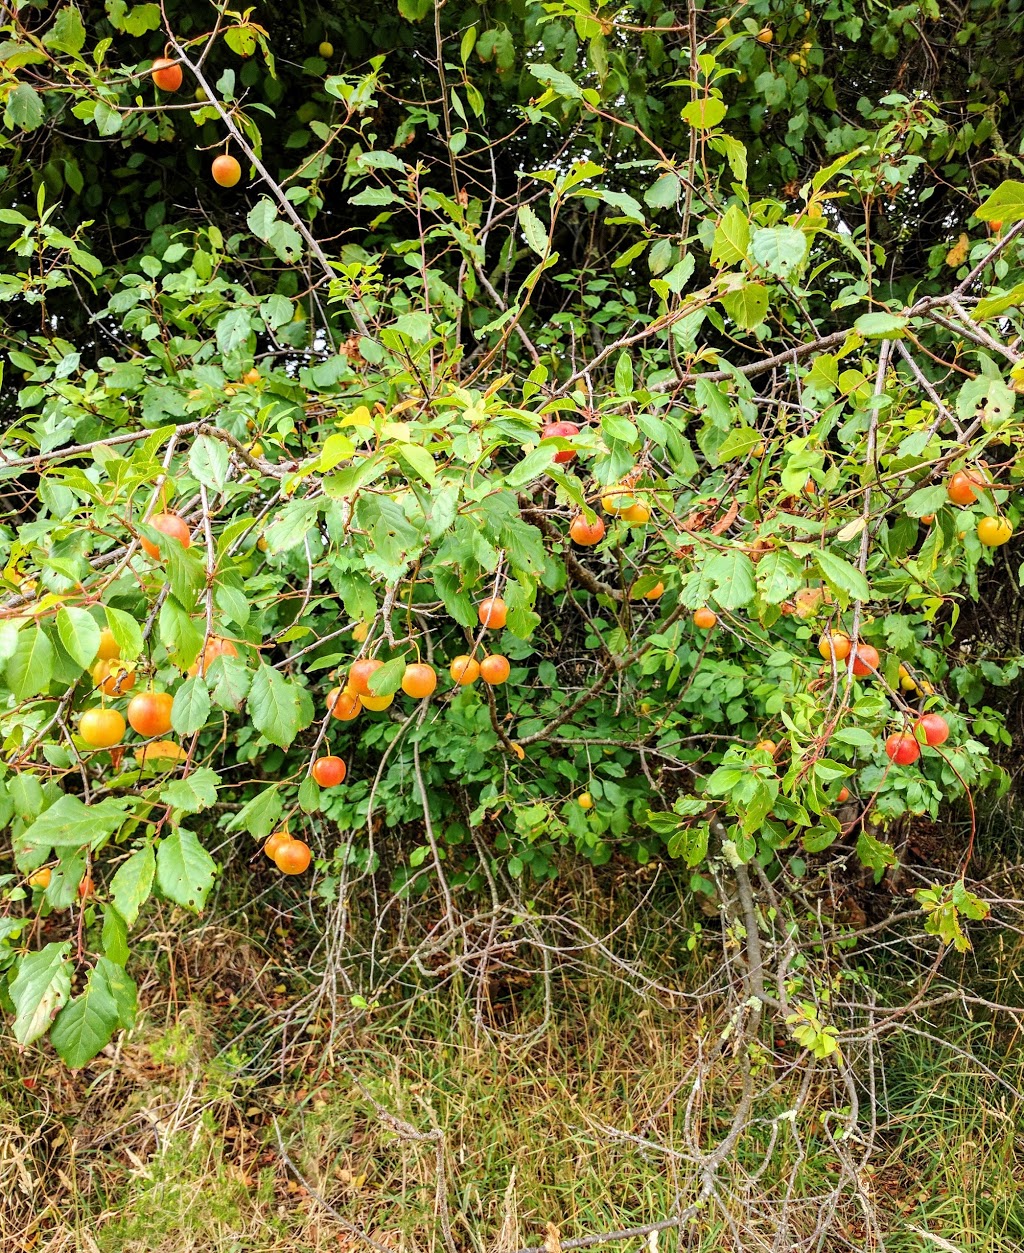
767	268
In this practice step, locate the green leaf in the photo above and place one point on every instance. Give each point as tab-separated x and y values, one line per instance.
388	678
68	31
114	936
1006	204
179	634
841	575
233	330
231	679
141	19
194	793
276	706
704	114
779	249
881	325
126	631
417	326
79	633
987	398
560	83
106	119
209	461
993	306
309	795
615	426
875	854
133	882
690	843
533	230
184	869
291	526
259	816
281	237
738	443
532	466
747	305
732	237
779	574
336	448
87	1024
30	666
68	823
415	10
624	378
24	109
925	500
732	576
418	460
191	706
39	990
663	193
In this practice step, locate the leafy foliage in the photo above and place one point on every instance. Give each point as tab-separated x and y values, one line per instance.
702	247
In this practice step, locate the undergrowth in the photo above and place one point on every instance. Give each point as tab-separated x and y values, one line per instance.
432	1129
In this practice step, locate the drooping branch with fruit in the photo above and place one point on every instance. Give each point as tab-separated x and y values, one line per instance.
532	563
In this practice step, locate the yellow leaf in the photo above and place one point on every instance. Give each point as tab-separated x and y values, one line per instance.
957	255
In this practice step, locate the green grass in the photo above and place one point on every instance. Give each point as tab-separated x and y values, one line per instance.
168	1148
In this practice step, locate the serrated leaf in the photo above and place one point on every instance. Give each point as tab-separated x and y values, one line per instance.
126	631
291	525
560	83
194	793
210	461
69	823
231	679
732	237
275	706
79	633
39	990
875	854
925	500
704	114
191	706
179	634
67	34
778	575
388	679
24	109
1006	204
779	249
114	936
309	795
732	576
132	883
881	325
992	306
337	448
232	602
259	816
30	666
747	305
184	869
87	1024
841	575
532	466
533	230
663	193
418	460
416	325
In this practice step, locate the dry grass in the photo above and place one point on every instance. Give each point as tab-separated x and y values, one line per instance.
432	1135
